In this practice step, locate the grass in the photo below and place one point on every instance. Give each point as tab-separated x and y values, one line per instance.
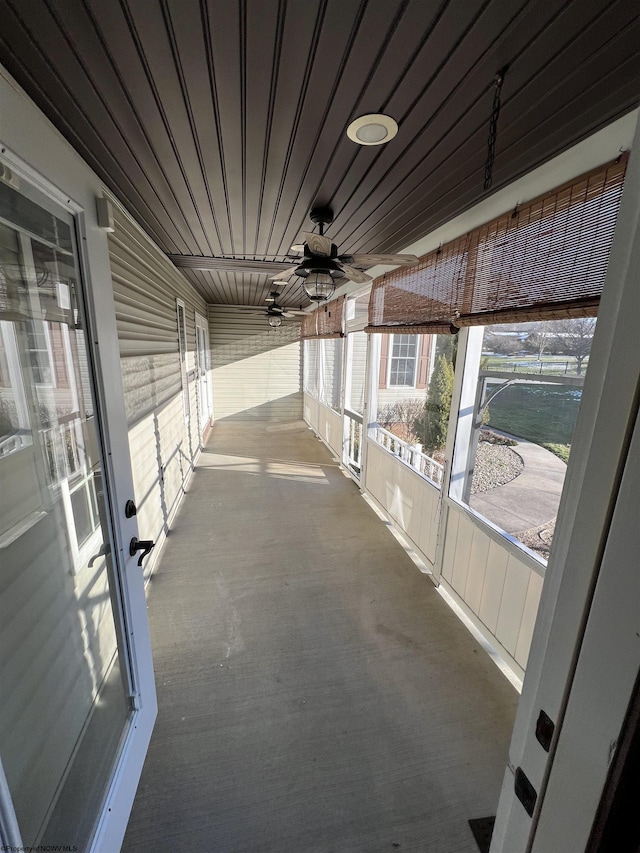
561	450
543	414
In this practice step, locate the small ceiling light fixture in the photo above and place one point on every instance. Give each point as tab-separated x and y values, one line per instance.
274	320
372	129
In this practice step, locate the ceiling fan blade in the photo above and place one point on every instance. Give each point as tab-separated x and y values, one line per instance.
356	275
318	244
294	312
401	260
283	274
196	262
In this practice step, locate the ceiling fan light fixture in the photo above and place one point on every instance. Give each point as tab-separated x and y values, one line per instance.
319	286
372	129
274	320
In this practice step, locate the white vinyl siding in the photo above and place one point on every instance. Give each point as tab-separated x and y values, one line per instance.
255	369
160	398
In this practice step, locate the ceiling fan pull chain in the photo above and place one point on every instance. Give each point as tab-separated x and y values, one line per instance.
493	128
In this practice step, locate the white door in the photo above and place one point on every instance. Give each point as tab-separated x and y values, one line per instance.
78	698
604	681
202	368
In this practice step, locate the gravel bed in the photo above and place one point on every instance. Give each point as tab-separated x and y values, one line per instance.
495	465
539	538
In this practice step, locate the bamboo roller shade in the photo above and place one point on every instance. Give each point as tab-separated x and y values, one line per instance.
546	260
325	321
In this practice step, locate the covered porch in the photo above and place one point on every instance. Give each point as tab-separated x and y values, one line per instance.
315	690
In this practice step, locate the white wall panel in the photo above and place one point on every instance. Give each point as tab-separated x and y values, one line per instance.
498	588
514	596
529	614
452	525
477	569
255	369
462	556
407	497
493	587
329	428
310	412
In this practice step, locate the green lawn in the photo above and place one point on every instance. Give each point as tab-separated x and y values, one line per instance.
544	414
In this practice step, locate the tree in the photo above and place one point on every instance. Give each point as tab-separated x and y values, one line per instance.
574	337
506	345
539	338
431	427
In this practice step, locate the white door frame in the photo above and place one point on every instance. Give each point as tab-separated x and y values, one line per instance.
39	155
204	378
579	573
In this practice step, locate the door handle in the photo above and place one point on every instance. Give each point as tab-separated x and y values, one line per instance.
105	549
144	545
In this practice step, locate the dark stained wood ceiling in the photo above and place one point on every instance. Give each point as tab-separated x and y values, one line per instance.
220	123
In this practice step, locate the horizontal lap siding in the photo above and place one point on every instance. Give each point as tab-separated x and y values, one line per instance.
255	369
162	446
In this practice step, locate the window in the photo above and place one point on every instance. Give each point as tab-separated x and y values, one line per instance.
404	355
528	394
413	416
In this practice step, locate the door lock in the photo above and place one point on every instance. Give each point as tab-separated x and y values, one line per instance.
144	545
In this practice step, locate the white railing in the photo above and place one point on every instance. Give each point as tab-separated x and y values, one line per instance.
410	454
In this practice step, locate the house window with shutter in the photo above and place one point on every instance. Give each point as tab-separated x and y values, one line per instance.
403	401
405	361
404	355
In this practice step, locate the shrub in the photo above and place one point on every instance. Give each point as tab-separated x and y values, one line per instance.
431	427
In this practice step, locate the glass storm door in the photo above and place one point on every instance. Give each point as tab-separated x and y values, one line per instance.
63	674
202	356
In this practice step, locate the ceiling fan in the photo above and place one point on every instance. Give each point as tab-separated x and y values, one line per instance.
320	267
275	312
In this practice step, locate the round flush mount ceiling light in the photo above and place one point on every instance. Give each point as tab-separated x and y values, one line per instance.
372	129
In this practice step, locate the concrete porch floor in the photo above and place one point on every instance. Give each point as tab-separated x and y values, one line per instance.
315	692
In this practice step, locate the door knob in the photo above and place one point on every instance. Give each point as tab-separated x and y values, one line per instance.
144	545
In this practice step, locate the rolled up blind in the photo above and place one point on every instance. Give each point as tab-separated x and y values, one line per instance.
546	260
325	321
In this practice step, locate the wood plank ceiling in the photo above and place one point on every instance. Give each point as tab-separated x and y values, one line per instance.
220	123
